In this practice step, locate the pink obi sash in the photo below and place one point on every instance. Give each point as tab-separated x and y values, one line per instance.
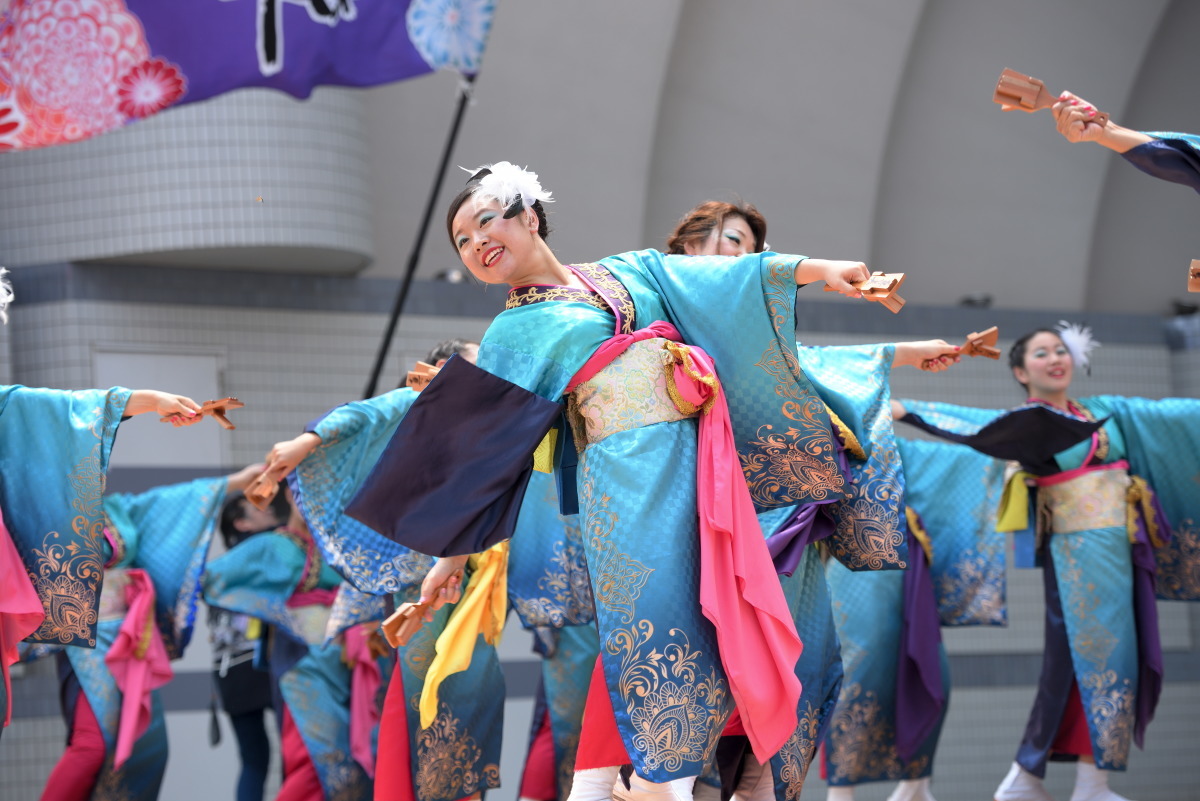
138	662
365	680
21	611
756	635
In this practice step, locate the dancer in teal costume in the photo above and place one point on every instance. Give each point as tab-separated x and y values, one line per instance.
1107	641
637	471
281	579
547	587
165	533
854	383
54	453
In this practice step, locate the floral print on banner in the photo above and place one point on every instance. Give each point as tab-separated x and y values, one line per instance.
450	33
71	70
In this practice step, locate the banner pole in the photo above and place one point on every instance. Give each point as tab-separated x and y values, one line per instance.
466	88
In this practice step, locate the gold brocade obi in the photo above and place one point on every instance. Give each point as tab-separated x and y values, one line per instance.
112	597
1095	499
633	391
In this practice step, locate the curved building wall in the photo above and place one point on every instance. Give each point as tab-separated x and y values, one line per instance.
253	179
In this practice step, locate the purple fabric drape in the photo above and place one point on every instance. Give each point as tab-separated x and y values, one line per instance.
920	690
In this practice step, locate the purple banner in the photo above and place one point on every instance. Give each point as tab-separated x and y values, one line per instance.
71	69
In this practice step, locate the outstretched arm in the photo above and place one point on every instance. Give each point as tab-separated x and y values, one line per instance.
931	355
286	456
1076	122
182	410
839	275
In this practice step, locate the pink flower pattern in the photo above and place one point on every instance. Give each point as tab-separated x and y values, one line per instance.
149	87
71	69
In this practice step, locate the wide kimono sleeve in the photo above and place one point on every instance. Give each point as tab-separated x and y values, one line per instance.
854	383
352	607
956	491
1030	434
167	532
256	578
54	451
742	311
1173	157
353	436
1163	447
452	478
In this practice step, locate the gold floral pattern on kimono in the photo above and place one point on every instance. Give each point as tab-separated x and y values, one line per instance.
790	466
617	578
1112	715
676	712
68	577
797	753
447	759
111	785
342	777
568	598
1110	710
867	536
861	741
1179	564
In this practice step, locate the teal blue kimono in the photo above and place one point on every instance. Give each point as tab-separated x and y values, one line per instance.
637	485
165	532
259	577
967	578
1101	625
54	450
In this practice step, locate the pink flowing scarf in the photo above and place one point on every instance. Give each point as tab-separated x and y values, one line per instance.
138	662
740	591
365	680
21	611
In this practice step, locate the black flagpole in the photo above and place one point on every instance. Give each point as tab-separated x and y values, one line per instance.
414	256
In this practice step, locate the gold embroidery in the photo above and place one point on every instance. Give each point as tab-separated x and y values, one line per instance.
1179	563
598	275
867	536
797	753
791	467
342	778
861	742
849	440
1092	500
919	533
676	712
617	578
447	760
1112	715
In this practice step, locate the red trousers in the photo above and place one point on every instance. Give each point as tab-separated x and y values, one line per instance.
74	777
300	779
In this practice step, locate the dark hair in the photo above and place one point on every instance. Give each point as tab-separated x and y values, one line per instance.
447	348
1016	354
699	223
513	209
235	510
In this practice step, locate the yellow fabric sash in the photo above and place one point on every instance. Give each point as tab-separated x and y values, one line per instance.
919	533
481	610
1139	497
1014	503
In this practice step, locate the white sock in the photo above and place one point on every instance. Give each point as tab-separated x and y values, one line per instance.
845	793
912	790
595	784
1091	783
1021	785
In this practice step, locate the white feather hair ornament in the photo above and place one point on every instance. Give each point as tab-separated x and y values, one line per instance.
6	295
1080	343
515	188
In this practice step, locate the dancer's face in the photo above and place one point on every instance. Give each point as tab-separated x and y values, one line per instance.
493	249
1048	366
732	237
